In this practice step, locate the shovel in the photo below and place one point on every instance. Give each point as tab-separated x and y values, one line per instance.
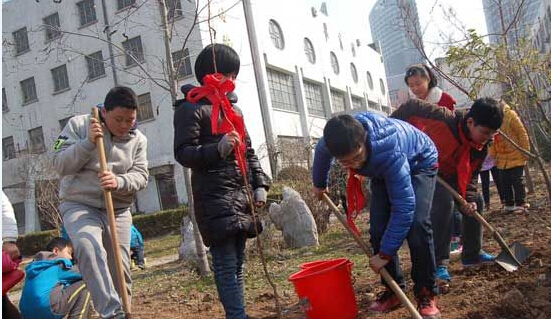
112	226
511	257
384	273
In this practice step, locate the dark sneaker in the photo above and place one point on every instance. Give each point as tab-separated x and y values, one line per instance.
426	305
483	258
386	301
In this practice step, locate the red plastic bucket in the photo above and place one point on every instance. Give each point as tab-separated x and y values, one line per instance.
325	288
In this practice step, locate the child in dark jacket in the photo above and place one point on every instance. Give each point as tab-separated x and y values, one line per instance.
211	139
461	139
402	162
53	287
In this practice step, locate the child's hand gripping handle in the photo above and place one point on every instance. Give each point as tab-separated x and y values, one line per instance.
112	226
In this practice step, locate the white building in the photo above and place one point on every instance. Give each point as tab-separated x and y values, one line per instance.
311	68
541	36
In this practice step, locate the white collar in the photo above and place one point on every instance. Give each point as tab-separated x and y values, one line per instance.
434	96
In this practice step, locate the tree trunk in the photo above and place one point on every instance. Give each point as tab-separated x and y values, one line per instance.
529	182
203	264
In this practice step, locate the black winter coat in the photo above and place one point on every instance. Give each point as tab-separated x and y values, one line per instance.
220	198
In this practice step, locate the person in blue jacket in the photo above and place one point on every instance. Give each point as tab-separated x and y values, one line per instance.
53	287
137	246
402	162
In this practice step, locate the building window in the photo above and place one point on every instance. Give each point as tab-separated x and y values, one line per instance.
382	84
182	63
122	4
60	77
277	35
8	148
19	211
309	51
357	102
5	107
335	63
21	41
174	9
36	136
282	90
325	31
29	90
339	103
52	26
353	49
95	65
166	186
87	12
63	122
314	98
373	105
354	72
145	109
133	48
369	80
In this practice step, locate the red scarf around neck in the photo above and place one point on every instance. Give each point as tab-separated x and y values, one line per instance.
215	89
355	199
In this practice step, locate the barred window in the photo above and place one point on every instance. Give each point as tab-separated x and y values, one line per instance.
8	148
133	48
60	78
313	93
36	136
357	102
21	40
121	4
87	12
276	35
182	63
309	51
51	26
174	9
145	109
382	84
282	90
95	65
5	107
335	63
339	103
28	89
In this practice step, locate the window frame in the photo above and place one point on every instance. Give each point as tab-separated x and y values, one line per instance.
183	69
60	74
314	98
52	31
95	63
288	98
276	34
143	109
334	92
334	63
33	147
140	58
20	35
309	51
11	151
354	72
23	85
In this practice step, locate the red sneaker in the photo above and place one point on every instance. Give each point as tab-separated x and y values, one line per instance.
426	305
386	301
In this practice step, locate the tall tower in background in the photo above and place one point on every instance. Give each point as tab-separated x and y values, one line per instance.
509	9
387	29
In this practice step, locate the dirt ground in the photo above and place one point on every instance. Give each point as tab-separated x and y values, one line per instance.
173	291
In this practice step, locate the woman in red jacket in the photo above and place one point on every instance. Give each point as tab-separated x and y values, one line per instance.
423	86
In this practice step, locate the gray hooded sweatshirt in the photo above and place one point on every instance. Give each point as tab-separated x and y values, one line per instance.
76	160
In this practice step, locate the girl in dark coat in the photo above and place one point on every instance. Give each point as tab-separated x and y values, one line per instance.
211	139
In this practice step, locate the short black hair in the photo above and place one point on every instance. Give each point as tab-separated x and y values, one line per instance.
121	96
227	61
343	134
423	71
59	243
486	112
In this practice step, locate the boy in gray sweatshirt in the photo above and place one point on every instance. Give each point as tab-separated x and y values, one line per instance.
81	192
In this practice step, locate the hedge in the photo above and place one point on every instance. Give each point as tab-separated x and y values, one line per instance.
150	225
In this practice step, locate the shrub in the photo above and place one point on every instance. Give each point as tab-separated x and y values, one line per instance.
30	244
294	173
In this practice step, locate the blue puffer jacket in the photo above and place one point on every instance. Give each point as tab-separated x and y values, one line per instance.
42	275
136	239
395	151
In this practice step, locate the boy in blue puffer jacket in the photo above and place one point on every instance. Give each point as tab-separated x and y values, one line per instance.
137	247
402	162
53	287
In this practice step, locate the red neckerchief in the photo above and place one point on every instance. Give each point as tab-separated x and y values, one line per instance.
464	169
355	199
215	91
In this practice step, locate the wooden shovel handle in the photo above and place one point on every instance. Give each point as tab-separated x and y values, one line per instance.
367	250
112	225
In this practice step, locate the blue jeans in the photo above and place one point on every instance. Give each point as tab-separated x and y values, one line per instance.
419	237
227	260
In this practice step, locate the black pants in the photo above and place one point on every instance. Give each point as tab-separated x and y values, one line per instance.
419	237
512	184
485	179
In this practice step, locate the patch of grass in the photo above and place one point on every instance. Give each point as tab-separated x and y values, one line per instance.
162	246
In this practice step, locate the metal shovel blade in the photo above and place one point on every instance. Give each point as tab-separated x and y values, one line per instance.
508	262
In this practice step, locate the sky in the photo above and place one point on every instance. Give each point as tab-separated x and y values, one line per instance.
470	13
